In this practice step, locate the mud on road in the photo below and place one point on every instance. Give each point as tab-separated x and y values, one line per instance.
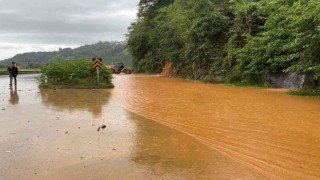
150	127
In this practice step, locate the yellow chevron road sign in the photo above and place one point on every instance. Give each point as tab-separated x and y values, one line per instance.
97	63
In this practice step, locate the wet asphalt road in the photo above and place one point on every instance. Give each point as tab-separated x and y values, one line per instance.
88	134
150	127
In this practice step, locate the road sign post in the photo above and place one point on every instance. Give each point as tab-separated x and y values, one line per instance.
97	64
97	75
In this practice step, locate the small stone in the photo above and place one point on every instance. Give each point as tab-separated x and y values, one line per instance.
103	126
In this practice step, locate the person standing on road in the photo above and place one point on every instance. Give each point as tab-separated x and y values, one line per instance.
13	72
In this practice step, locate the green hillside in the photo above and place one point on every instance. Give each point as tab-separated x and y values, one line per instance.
110	52
228	40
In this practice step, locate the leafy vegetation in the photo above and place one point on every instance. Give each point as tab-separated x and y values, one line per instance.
229	40
110	52
76	73
289	41
305	92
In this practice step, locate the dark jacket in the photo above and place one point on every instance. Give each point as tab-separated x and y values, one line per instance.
13	70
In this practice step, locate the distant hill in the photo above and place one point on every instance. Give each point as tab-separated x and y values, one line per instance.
110	52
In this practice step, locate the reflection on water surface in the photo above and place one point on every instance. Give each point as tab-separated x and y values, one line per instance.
14	97
73	100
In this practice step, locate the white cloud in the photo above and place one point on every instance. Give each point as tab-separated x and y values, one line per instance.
11	49
37	25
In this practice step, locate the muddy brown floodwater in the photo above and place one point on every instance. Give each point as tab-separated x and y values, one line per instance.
276	135
152	127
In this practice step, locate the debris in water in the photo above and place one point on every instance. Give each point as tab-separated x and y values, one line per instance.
66	132
102	127
3	109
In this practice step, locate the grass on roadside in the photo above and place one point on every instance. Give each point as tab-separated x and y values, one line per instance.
246	85
305	92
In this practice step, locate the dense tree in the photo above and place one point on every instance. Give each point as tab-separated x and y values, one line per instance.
248	18
148	8
289	42
143	36
170	35
240	41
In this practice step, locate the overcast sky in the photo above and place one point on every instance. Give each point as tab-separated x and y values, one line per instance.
46	25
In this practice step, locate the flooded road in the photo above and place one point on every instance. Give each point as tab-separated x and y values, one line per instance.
150	127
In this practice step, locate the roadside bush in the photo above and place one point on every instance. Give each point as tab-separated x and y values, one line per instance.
74	73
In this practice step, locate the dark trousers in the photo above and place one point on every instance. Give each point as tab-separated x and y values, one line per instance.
13	76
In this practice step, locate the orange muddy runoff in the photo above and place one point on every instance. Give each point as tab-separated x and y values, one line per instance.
277	136
152	127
